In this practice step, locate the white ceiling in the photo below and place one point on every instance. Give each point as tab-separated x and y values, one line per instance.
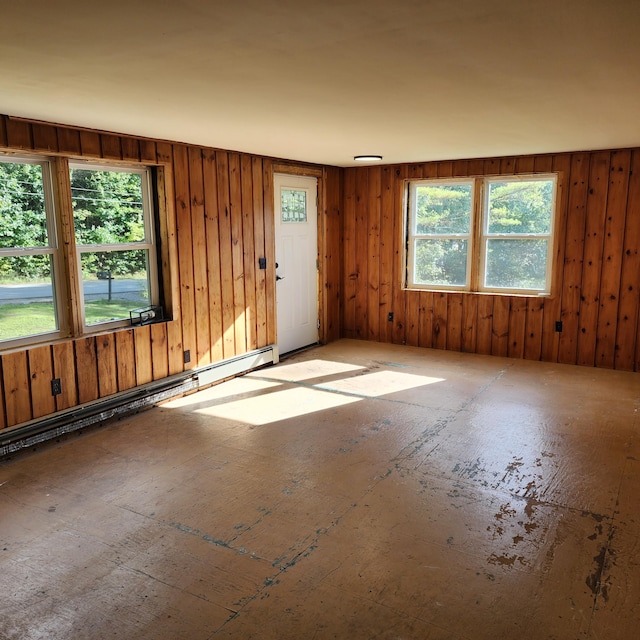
324	80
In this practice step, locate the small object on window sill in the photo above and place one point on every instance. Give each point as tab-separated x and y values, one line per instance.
146	315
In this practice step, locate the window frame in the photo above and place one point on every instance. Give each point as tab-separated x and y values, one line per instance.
479	236
52	248
412	236
150	243
159	223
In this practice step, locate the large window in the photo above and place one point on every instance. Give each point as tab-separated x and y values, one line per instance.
481	234
47	289
115	242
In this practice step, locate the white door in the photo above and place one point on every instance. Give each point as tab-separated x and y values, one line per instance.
296	218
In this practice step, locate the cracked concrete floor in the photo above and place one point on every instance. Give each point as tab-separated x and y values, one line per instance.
356	490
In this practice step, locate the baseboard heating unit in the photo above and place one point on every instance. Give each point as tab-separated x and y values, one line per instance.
35	432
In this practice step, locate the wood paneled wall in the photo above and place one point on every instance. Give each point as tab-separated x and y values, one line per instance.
221	205
597	267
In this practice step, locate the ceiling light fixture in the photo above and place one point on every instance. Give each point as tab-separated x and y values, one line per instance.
367	158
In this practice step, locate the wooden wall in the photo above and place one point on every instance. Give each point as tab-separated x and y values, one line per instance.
597	271
224	304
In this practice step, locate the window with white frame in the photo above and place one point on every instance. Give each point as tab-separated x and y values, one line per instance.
115	242
46	289
28	251
491	234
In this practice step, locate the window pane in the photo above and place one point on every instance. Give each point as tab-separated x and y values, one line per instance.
443	208
294	205
440	262
23	221
520	206
26	297
516	264
107	206
114	283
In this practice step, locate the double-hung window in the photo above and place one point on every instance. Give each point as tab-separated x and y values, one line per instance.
115	242
49	290
29	259
490	234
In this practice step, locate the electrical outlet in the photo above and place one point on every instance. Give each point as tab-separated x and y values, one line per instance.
262	263
390	316
56	387
558	326
187	356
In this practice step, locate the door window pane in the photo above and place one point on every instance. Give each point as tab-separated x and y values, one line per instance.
294	205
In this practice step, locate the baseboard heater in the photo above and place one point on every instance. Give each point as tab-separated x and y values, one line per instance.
35	432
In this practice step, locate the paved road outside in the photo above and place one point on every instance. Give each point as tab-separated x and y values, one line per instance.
93	289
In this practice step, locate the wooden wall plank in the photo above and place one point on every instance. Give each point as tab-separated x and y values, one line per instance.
69	141
90	144
144	364
349	259
18	134
612	257
574	248
500	329
107	364
534	328
125	360
440	320
517	321
64	367
174	343
213	253
485	324
237	257
159	351
111	147
224	229
627	343
3	134
425	338
561	164
468	341
250	259
454	321
17	395
3	416
412	319
398	335
40	376
45	137
185	253
332	244
130	149
258	239
148	151
388	216
270	248
592	263
199	253
87	367
525	164
361	246
373	253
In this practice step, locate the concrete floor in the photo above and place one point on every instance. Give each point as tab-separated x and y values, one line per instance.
354	491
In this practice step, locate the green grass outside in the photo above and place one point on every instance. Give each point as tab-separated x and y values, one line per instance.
20	320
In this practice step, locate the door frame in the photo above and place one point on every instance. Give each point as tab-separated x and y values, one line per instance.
307	171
